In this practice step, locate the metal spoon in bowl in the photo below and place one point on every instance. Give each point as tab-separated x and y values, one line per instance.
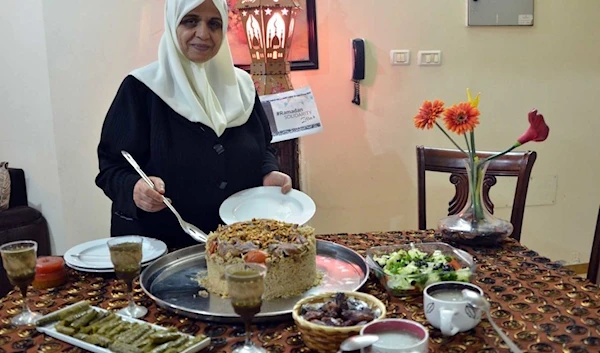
189	228
359	342
481	303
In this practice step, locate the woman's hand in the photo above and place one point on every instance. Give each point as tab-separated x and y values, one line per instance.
278	179
148	199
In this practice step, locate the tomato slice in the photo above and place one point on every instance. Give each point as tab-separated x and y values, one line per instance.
49	272
49	264
49	280
212	247
455	264
256	256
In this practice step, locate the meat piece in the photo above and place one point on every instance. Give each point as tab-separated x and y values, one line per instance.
312	315
244	247
357	316
331	309
289	249
223	248
341	301
284	249
332	321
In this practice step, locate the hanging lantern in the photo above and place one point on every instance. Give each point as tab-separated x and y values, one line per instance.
269	27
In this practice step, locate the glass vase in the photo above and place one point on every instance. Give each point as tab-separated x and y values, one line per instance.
474	224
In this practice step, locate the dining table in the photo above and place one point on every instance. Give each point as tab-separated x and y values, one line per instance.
542	305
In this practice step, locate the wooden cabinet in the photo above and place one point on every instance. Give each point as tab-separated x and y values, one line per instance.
289	161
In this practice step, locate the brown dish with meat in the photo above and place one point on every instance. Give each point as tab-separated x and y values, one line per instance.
340	311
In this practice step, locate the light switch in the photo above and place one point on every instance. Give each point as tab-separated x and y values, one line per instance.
430	57
400	57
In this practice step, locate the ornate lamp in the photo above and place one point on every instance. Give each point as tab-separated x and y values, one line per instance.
269	27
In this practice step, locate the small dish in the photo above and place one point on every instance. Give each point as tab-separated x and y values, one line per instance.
413	283
324	338
397	336
94	255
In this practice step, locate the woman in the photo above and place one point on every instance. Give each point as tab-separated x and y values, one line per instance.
193	122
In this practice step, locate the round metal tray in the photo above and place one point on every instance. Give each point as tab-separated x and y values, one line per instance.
171	282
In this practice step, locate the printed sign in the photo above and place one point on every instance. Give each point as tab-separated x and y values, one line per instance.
292	114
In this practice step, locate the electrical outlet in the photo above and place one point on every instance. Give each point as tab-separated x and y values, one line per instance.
400	57
430	57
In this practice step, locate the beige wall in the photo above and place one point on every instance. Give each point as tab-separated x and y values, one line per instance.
91	46
26	126
361	170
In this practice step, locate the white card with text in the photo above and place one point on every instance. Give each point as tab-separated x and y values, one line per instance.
292	114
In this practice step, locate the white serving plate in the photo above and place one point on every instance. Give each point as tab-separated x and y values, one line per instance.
96	256
51	331
100	270
267	202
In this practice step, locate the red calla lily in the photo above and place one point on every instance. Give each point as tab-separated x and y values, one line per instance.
538	130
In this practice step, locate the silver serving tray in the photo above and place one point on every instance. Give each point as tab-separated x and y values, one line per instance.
170	282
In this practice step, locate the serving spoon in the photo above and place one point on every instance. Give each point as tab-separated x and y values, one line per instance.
359	342
189	228
481	303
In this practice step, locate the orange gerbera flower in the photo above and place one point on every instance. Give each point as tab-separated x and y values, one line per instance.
428	114
461	118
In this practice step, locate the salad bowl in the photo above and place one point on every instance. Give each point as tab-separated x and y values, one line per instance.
407	269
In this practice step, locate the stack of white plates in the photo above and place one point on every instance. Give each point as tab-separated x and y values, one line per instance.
93	256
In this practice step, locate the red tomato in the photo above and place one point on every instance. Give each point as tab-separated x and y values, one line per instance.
256	256
455	264
212	247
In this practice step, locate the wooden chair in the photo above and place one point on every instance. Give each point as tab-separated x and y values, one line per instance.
594	265
514	164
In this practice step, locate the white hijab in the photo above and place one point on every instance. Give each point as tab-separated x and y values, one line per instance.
214	93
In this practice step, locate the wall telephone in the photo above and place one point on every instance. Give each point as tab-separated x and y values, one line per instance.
358	66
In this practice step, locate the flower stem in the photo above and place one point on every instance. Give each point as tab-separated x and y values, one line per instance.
476	191
450	138
472	133
469	147
517	144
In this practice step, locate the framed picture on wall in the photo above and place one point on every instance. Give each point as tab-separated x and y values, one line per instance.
304	51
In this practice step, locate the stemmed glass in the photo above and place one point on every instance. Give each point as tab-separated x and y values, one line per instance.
246	286
19	259
126	256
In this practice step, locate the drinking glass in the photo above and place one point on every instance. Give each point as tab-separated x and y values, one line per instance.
19	259
126	256
246	286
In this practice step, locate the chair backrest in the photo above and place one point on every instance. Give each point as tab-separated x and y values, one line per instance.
514	164
594	265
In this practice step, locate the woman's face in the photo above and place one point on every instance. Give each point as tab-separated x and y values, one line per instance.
200	32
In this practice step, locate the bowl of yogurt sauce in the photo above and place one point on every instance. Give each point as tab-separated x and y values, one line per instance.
397	336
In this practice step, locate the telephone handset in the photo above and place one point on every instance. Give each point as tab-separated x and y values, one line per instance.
358	66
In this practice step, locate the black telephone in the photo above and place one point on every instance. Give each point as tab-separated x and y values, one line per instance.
358	67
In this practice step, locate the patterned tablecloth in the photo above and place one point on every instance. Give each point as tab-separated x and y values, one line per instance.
542	305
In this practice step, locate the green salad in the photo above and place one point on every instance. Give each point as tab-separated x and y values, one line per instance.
410	269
